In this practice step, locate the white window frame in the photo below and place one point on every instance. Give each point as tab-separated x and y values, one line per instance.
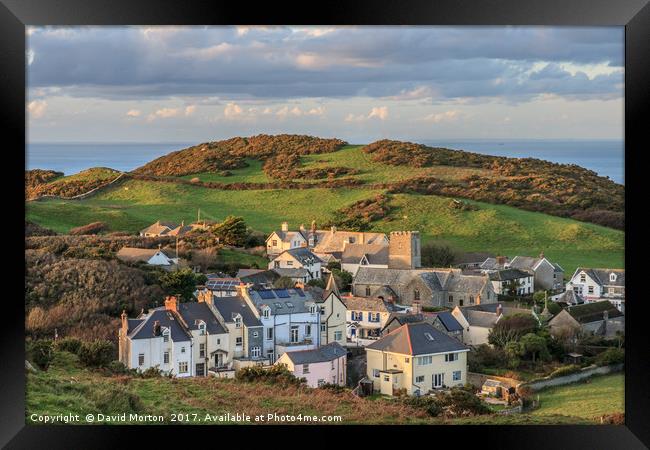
294	332
256	351
438	380
457	375
141	359
183	365
269	334
305	368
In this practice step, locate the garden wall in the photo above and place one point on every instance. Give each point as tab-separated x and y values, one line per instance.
572	378
477	379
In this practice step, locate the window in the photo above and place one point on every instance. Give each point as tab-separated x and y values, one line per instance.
266	313
218	341
202	329
612	277
166	336
332	364
471	299
238	341
313	309
424	360
419	379
256	352
269	334
416	295
308	330
438	380
182	349
323	327
375	373
305	368
274	243
407	360
294	334
338	335
367	291
276	264
357	315
456	375
256	334
289	263
451	299
182	367
590	289
450	357
166	358
141	359
238	322
201	350
322	311
583	278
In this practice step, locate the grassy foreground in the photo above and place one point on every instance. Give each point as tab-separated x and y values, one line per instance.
67	388
500	229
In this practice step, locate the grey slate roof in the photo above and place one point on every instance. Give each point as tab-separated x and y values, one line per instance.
449	321
290	272
282	301
193	312
592	312
325	353
369	304
229	307
166	319
374	253
483	319
411	339
260	277
303	255
524	262
508	274
570	297
472	257
601	276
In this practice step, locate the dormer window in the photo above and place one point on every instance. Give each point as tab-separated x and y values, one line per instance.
202	329
165	334
612	277
428	336
266	312
312	309
238	322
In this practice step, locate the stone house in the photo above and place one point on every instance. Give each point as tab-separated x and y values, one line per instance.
546	274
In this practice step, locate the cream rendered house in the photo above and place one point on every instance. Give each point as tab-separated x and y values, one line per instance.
332	315
416	358
323	365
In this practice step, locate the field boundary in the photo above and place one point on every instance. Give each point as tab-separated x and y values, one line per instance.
83	195
585	373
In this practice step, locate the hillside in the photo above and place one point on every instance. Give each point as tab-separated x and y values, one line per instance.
68	388
54	184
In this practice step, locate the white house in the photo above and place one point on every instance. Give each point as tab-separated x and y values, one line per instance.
150	256
323	365
299	264
177	338
599	284
504	281
290	318
283	240
366	317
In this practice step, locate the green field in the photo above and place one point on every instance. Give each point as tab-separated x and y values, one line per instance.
598	396
501	229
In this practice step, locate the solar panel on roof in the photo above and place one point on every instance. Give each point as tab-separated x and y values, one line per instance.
300	292
282	293
266	294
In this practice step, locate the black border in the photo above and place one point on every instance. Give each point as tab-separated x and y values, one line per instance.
633	14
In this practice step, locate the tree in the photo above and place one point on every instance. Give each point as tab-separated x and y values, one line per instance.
513	352
511	328
343	279
317	282
40	352
512	287
284	283
533	345
232	231
182	282
437	255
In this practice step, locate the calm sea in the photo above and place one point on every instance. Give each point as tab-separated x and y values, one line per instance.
605	157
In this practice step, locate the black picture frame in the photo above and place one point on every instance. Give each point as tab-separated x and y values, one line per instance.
633	14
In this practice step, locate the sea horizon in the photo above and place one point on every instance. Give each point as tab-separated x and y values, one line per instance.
604	156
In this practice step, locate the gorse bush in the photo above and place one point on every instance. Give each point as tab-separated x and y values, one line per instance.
96	353
40	352
611	356
565	370
68	344
455	402
276	374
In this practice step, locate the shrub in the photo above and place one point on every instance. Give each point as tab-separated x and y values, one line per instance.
116	399
284	283
152	372
276	374
485	356
428	403
68	344
117	368
96	353
611	356
91	228
40	352
565	370
437	255
511	328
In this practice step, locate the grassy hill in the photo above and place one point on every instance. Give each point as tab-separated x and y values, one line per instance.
501	229
68	388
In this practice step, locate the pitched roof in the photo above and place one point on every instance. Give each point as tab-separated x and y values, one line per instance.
290	272
282	301
288	236
325	353
229	307
159	228
450	323
570	297
524	262
247	272
417	339
167	319
369	304
259	277
592	312
328	241
493	263
132	254
374	253
193	312
331	287
472	257
601	276
303	255
508	274
483	319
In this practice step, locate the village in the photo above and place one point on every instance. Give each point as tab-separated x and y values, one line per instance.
358	309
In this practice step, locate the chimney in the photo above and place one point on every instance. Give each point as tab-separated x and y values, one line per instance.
156	328
417	308
501	260
302	227
285	226
313	226
171	303
499	309
299	285
478	299
605	315
362	238
541	255
125	322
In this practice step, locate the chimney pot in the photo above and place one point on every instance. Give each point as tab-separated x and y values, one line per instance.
285	226
171	303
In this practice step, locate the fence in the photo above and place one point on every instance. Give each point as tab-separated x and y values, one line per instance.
571	378
506	412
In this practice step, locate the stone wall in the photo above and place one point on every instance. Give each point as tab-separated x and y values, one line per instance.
572	378
477	379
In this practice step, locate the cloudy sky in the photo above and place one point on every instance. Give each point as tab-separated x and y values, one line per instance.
161	84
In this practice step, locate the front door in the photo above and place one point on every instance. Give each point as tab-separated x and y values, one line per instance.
200	370
218	360
438	380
